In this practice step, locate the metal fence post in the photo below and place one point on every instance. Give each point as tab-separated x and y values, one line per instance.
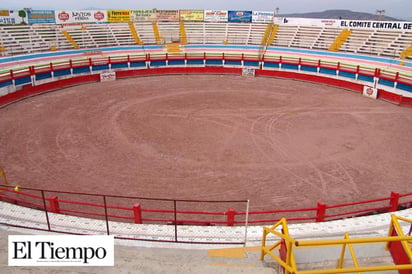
54	204
320	213
394	202
230	216
105	214
175	218
246	221
137	212
45	210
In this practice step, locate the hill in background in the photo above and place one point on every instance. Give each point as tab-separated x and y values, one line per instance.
341	14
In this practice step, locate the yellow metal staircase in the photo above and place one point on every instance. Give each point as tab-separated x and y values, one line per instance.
2	48
270	34
134	34
405	54
156	33
173	48
273	34
70	39
340	40
266	34
183	37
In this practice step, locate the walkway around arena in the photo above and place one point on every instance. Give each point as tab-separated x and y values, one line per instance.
152	257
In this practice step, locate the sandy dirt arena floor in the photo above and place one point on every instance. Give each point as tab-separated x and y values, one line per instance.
280	143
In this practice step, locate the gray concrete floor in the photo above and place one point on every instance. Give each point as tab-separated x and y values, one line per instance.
135	259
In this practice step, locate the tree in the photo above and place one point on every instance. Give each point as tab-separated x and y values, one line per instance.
22	14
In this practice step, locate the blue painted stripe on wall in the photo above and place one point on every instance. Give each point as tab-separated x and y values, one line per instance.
309	68
365	78
386	82
23	80
5	84
42	76
347	74
62	72
404	87
119	65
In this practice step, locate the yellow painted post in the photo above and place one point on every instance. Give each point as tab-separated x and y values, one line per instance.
352	253
3	175
342	256
289	258
262	252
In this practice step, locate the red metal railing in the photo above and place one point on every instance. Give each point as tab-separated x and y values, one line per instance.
94	61
139	214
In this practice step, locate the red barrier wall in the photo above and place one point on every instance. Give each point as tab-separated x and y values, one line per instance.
406	101
178	70
311	78
388	96
30	90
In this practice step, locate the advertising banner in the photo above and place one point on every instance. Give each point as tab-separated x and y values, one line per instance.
240	16
41	17
167	15
10	17
80	16
262	16
143	15
107	76
191	15
310	22
118	16
379	25
215	15
370	92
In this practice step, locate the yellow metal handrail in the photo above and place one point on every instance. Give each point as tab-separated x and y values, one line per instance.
3	175
288	244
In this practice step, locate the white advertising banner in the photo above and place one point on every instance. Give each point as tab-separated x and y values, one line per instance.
344	24
107	76
80	16
216	15
10	17
310	22
370	92
262	16
379	25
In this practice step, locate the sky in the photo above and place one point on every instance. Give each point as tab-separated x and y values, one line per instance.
401	9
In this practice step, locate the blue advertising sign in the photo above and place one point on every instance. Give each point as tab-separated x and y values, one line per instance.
41	16
240	16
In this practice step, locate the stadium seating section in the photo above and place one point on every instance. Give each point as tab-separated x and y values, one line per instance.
21	39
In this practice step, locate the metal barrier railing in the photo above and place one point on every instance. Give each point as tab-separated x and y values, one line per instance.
286	245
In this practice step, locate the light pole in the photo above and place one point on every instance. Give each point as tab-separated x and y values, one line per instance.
380	14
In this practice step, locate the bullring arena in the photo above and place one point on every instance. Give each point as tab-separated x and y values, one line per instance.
246	130
276	142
